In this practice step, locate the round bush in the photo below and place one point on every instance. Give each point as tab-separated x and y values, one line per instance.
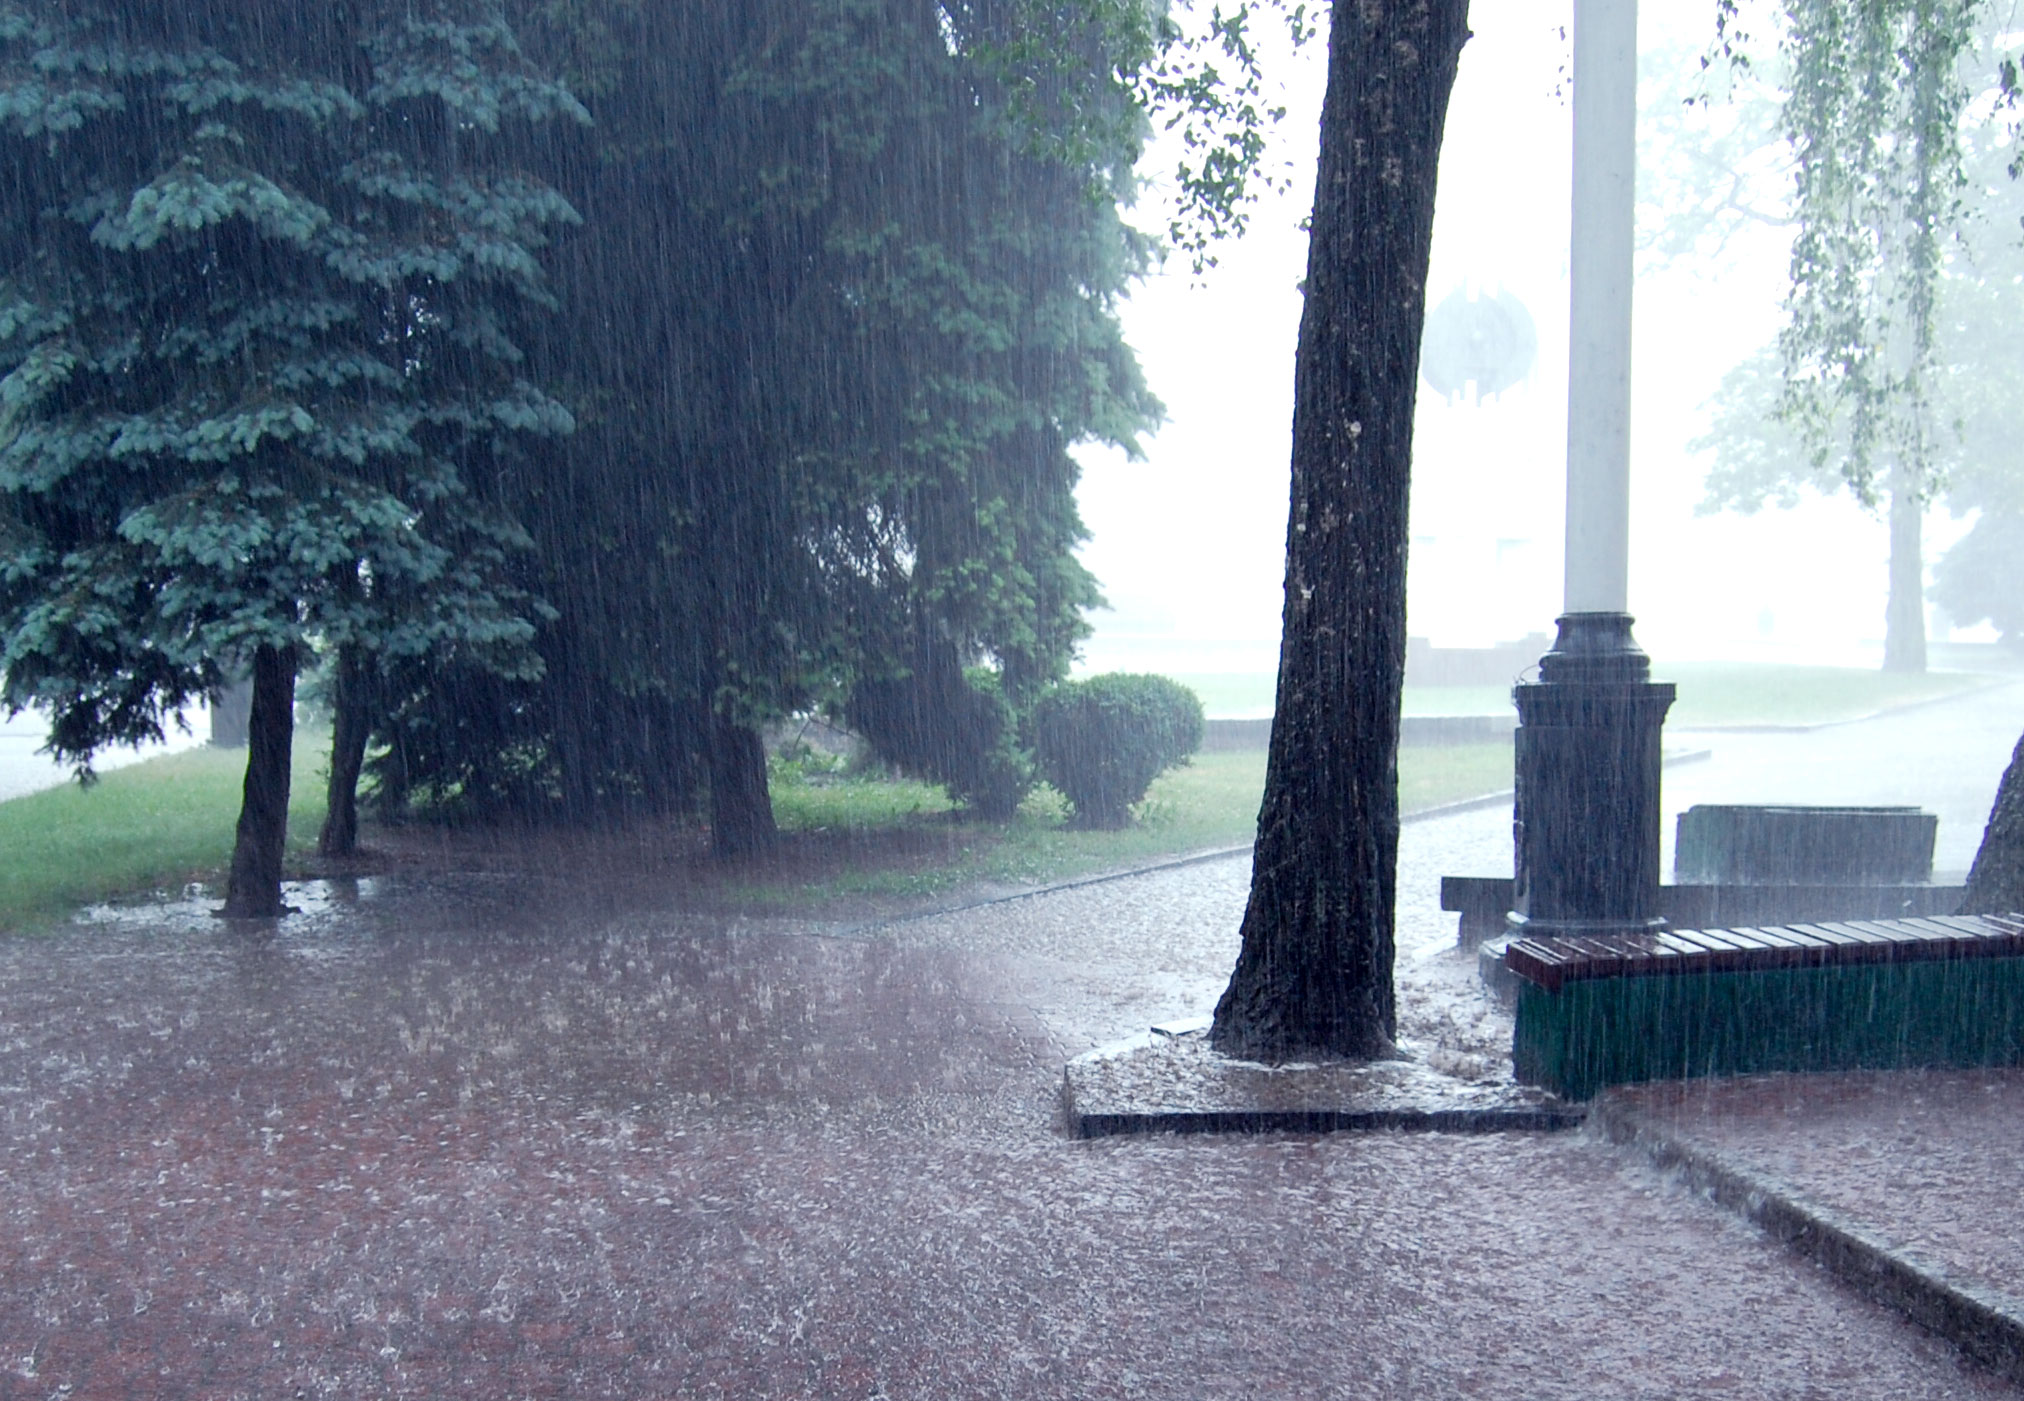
1103	741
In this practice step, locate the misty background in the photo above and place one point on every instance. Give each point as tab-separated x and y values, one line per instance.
1189	543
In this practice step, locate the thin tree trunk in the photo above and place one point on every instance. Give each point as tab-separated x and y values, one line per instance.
253	890
228	714
1996	880
351	725
1315	972
741	808
1904	629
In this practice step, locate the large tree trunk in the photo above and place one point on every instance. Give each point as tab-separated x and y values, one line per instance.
351	725
253	890
741	808
1996	880
1315	972
1904	627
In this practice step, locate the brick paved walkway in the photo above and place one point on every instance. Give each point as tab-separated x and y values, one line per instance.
452	1140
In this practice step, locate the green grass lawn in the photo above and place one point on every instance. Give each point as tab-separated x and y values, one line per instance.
1710	693
1212	802
158	826
1251	694
162	824
155	825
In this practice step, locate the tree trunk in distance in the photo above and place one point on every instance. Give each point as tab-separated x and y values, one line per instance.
229	705
351	725
253	890
741	808
1315	973
1904	628
1996	880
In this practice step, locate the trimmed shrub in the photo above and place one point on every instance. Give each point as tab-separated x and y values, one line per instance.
949	725
1103	741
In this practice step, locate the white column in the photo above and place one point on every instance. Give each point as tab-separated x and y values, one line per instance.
1600	272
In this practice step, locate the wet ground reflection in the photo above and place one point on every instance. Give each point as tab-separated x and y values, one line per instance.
444	1137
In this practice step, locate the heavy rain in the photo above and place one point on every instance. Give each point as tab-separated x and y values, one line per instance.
942	698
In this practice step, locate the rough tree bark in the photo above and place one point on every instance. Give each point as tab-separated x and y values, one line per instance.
1315	972
253	889
351	725
1904	631
741	808
1996	880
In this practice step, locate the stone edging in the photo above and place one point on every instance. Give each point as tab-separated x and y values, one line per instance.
1539	1120
1985	1323
1197	858
1170	863
1996	680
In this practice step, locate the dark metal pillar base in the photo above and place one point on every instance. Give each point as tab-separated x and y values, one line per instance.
1587	811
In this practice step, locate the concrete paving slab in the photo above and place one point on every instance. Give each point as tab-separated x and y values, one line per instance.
1177	1083
1905	1185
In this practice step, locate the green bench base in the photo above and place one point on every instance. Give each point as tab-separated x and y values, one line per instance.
1887	1014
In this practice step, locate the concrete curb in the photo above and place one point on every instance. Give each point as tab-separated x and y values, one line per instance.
1324	1122
1167	1081
1987	1324
1197	858
1506	795
1172	863
1862	719
1254	1121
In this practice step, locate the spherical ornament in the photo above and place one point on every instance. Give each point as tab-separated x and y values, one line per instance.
1487	342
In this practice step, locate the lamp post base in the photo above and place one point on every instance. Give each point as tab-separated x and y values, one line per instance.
1587	809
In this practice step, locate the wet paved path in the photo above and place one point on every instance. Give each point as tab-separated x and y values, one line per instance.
1925	1163
460	1137
454	1139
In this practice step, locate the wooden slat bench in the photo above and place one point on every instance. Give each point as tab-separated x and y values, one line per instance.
1941	990
1483	900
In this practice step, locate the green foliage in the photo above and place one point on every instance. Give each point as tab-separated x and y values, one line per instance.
835	321
1082	80
954	726
1977	451
1758	457
1102	741
1873	116
161	824
263	275
1982	332
1712	161
1981	579
1908	327
845	301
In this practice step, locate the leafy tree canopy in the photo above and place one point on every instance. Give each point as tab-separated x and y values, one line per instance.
1888	152
845	300
260	277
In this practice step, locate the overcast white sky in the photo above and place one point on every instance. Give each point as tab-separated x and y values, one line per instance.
1189	543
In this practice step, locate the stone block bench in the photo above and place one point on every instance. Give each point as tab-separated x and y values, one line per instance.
1752	844
1939	991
